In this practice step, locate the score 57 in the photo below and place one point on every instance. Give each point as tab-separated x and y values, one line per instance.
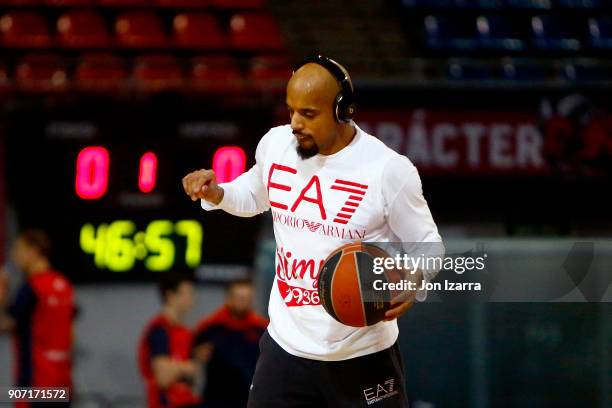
117	246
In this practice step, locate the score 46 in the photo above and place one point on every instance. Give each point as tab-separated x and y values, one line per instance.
117	246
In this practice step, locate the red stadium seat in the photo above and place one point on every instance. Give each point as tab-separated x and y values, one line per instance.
41	73
238	4
183	3
198	31
100	72
24	29
217	74
270	72
20	2
123	3
251	31
140	29
70	3
157	73
82	29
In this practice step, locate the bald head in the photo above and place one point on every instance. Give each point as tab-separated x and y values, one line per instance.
314	82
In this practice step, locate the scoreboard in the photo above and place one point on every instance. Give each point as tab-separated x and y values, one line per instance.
106	185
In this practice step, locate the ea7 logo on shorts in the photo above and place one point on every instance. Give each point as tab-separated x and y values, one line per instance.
380	392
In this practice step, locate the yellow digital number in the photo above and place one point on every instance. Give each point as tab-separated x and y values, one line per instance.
94	242
157	241
119	248
192	230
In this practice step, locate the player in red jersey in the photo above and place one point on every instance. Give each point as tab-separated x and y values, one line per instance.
165	348
228	342
40	318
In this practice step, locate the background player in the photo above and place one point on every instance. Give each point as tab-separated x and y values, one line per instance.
40	317
228	342
323	172
165	348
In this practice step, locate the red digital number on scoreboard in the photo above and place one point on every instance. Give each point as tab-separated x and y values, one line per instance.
92	172
228	163
148	172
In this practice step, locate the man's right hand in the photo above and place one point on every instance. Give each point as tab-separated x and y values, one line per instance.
203	184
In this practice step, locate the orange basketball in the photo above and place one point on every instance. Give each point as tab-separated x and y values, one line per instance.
346	285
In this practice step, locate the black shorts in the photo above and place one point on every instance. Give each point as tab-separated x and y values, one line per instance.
282	380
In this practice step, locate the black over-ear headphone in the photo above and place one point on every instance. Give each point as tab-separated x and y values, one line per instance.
344	104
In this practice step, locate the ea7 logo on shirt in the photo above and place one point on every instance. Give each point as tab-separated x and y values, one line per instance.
380	392
311	193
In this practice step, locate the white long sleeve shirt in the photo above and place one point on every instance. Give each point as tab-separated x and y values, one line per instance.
366	191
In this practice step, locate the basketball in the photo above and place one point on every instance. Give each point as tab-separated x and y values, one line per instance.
346	285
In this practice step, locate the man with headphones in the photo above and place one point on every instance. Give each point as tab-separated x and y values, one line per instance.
327	183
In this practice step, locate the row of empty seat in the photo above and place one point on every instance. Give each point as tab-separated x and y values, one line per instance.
510	4
223	74
529	71
219	4
153	72
87	28
497	32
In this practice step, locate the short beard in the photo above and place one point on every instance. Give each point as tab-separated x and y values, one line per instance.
306	153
